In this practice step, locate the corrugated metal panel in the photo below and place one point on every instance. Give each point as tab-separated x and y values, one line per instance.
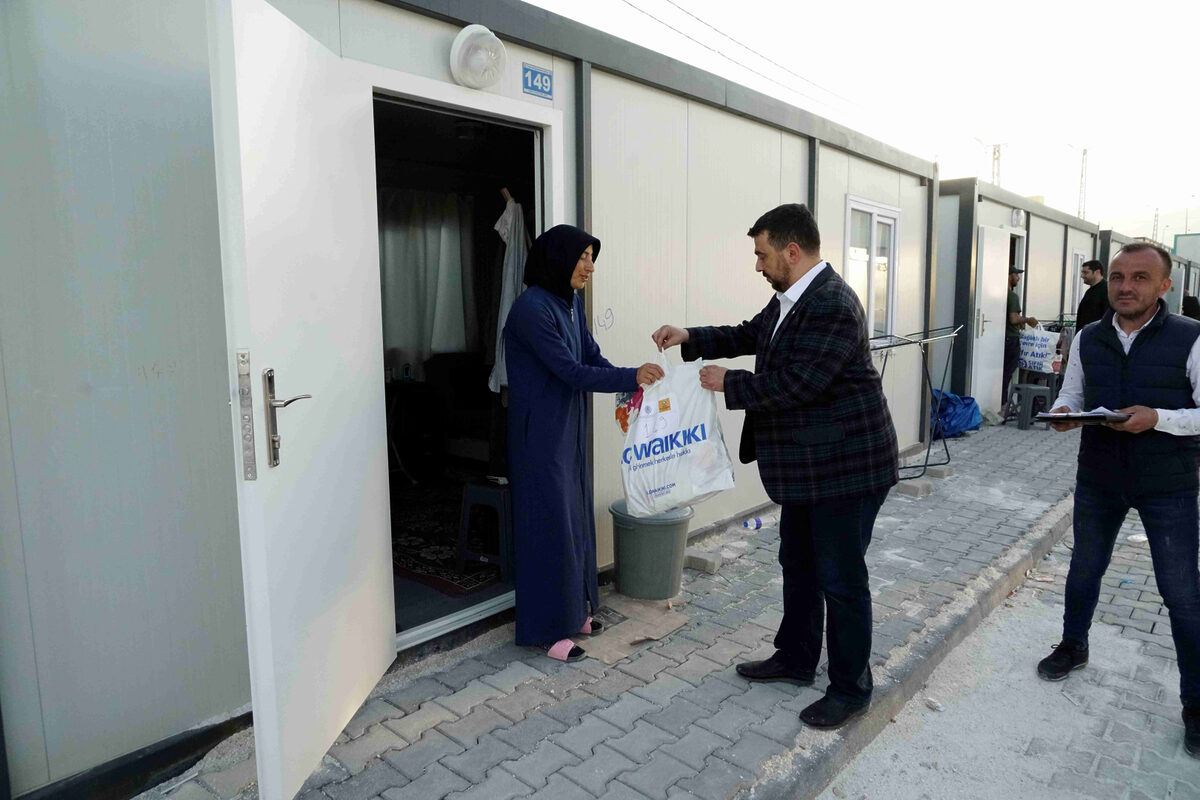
639	212
1044	273
112	323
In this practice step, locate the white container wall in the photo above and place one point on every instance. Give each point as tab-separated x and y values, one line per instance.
419	45
1044	269
845	178
672	210
121	612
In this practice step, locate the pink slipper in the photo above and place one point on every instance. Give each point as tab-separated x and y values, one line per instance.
565	650
591	627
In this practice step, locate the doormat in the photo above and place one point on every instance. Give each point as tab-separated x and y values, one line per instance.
629	623
433	561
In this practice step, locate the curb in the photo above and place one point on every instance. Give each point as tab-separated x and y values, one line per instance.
811	765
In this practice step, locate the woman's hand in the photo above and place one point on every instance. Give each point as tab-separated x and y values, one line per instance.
649	373
669	336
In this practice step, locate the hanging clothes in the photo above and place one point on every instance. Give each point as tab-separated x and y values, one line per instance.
427	275
511	227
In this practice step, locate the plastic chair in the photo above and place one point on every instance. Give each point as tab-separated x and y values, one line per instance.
1026	392
496	497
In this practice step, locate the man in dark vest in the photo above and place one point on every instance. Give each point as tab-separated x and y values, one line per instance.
1142	360
818	424
1095	299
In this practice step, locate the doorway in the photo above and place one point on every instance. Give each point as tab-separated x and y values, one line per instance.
450	187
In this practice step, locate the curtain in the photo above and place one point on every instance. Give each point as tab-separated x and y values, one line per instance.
427	276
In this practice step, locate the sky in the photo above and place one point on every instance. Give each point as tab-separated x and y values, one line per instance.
948	80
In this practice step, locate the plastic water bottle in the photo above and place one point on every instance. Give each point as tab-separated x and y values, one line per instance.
753	524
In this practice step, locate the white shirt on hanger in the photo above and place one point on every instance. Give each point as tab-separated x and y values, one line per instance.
511	227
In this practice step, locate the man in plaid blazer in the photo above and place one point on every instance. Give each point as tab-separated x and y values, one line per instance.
818	424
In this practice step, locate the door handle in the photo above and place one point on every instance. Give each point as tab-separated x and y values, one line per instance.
273	440
983	320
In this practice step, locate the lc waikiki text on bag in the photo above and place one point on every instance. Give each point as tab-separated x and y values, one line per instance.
674	452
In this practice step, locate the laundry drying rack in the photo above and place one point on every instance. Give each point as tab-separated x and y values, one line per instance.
886	345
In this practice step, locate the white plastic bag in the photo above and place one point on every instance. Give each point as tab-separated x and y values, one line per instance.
1039	350
674	452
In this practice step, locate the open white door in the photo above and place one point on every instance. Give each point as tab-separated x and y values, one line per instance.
991	311
296	170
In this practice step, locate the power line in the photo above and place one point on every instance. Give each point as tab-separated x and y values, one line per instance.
723	55
749	49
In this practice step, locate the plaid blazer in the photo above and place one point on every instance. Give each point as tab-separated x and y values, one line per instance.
816	417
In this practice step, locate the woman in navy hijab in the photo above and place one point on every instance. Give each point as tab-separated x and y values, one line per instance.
553	364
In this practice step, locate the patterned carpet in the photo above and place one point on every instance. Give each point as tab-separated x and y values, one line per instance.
425	524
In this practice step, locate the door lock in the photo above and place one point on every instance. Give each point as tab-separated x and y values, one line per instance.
273	440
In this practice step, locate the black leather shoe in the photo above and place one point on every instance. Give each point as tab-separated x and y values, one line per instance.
774	668
829	712
1191	730
1066	657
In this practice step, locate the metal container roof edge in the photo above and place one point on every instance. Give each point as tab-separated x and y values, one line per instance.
544	30
990	191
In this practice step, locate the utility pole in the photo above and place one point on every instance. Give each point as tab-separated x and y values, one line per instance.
996	164
1154	233
1083	185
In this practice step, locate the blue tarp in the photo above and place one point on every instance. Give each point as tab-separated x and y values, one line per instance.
955	415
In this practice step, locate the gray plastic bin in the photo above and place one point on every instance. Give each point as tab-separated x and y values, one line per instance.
649	551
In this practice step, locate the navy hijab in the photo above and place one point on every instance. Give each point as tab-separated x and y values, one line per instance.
553	257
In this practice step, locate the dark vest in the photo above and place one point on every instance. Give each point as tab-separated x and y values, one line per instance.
1154	374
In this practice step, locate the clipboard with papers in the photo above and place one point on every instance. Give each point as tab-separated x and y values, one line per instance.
1097	416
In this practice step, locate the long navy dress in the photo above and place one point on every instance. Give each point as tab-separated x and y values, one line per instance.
553	362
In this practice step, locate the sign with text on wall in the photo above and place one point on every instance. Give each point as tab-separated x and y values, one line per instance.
537	81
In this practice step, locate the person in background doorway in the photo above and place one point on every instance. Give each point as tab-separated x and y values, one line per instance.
818	423
553	364
1142	360
1012	334
1095	299
1191	306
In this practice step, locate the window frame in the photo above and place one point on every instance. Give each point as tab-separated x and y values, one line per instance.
891	215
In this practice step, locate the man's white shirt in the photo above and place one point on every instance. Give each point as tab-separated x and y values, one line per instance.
1177	421
788	299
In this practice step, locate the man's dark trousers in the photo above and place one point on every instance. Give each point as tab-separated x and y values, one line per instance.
1012	357
822	548
1172	524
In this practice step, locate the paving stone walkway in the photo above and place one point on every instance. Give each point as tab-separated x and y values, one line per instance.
985	727
674	720
1134	749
